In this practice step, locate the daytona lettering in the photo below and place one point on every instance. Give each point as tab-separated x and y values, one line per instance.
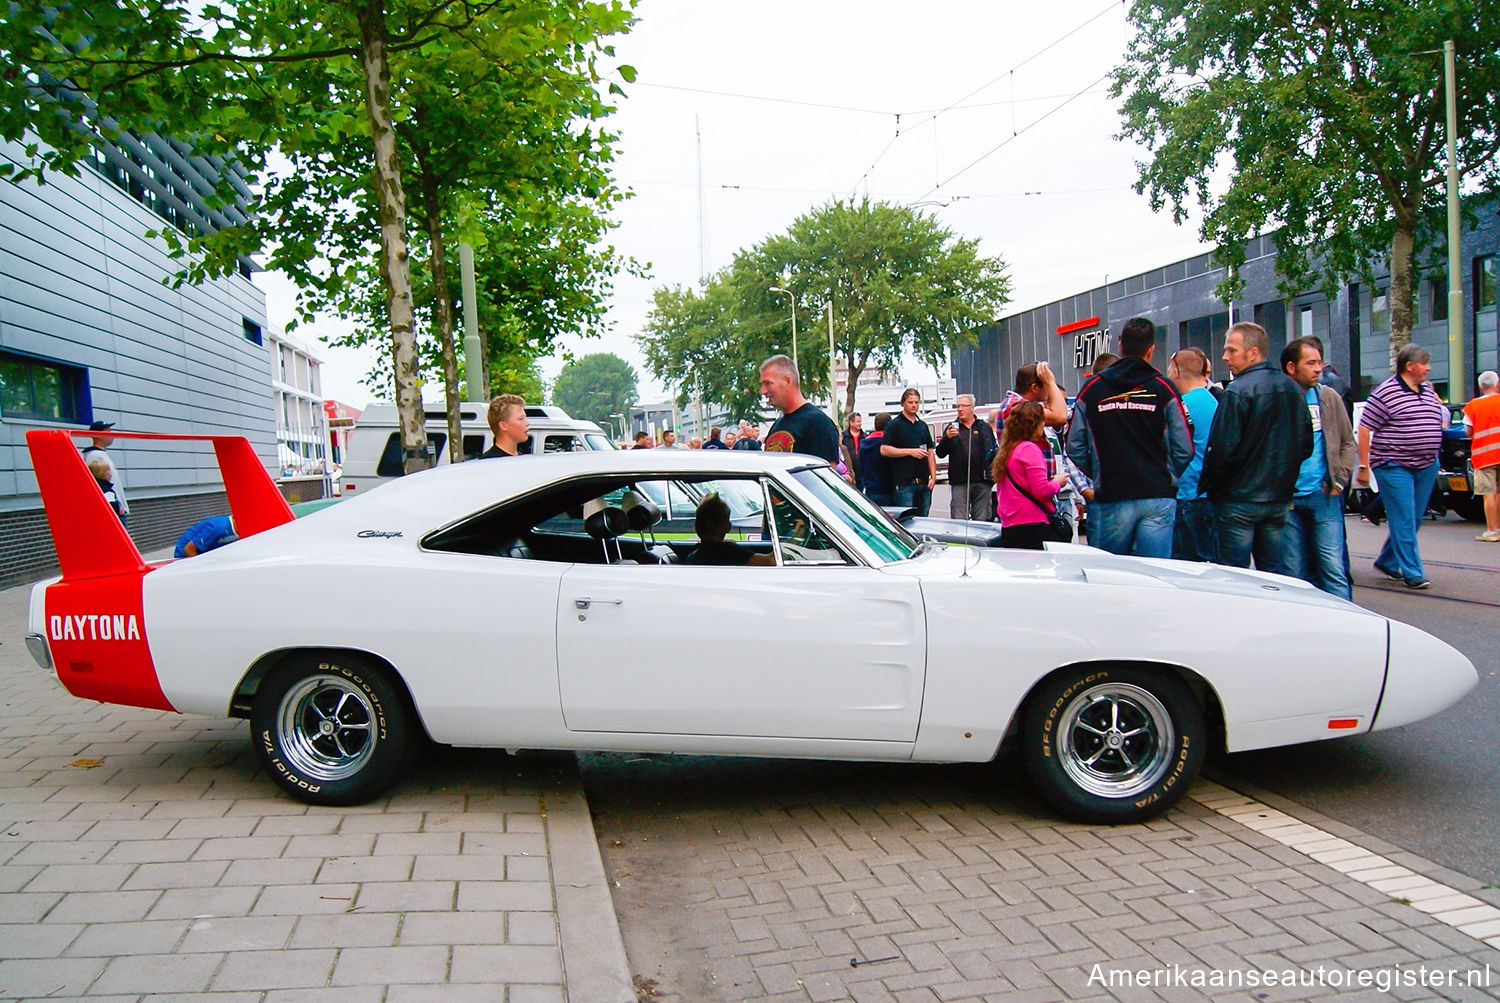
94	627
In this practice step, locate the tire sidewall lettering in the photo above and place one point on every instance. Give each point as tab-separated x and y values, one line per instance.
1049	723
369	691
273	755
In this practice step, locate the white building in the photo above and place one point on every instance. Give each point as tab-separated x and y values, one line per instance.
301	422
89	332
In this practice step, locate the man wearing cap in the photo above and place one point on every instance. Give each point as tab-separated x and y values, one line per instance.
97	451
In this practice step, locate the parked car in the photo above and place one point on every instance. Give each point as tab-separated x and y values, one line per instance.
1454	488
525	603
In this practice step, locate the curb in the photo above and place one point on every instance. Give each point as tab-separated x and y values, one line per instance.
595	969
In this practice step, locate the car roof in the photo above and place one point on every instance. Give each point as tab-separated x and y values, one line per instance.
450	491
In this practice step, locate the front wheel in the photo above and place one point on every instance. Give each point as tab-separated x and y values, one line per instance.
1113	745
331	731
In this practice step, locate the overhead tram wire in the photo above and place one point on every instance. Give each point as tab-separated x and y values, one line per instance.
1113	4
884	195
1015	135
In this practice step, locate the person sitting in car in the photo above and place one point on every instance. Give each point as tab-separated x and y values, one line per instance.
712	524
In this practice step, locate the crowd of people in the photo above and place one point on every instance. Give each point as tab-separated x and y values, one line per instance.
1164	465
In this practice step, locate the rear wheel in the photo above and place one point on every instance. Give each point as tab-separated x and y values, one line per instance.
331	731
1113	745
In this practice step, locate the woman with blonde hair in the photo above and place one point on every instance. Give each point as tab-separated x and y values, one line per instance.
1020	473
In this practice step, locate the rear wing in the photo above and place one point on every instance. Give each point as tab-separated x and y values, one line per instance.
90	540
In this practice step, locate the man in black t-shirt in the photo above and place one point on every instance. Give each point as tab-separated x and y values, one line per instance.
802	428
508	426
908	445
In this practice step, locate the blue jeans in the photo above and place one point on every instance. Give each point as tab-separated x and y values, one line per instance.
1193	536
1315	542
917	496
1141	527
1252	528
1405	492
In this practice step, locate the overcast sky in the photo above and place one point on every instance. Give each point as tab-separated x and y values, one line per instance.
992	116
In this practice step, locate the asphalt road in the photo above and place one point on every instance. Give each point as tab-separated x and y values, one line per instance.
1433	787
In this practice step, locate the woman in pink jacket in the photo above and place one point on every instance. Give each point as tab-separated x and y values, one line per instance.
1020	472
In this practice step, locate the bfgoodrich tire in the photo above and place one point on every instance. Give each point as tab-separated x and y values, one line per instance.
332	730
1113	744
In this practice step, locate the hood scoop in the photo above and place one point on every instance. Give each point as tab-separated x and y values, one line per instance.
1123	576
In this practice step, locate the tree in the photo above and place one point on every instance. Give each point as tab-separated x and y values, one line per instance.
697	340
1331	114
596	387
312	79
899	282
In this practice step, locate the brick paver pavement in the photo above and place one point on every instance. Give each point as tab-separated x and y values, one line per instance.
143	855
746	880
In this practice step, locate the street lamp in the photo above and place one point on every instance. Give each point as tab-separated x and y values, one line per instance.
791	301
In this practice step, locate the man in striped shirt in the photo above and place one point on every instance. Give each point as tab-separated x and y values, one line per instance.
1400	434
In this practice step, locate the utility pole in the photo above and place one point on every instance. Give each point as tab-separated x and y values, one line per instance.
833	370
477	388
1458	377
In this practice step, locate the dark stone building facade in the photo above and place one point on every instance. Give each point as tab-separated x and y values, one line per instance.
1179	297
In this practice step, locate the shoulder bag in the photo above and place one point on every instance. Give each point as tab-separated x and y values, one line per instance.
1059	530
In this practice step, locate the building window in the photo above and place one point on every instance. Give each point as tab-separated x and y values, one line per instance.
1486	295
44	390
1305	322
252	331
1380	311
1439	288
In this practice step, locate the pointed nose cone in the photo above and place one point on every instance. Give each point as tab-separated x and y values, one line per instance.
1423	676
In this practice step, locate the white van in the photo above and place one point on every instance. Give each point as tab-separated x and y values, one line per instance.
374	454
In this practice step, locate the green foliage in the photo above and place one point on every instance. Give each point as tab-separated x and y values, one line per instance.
1320	119
495	108
898	280
516	373
596	387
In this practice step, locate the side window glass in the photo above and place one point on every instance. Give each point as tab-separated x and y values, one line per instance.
392	463
560	444
802	541
473	446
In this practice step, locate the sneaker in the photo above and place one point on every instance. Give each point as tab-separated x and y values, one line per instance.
1489	536
1394	576
1416	583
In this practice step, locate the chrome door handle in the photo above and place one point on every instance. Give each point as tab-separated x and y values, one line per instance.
585	602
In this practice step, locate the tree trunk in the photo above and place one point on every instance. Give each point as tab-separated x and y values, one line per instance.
443	303
1400	298
856	370
394	263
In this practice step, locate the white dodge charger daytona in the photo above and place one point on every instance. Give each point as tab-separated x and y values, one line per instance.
563	602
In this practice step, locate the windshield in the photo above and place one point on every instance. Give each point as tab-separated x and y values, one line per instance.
881	533
598	440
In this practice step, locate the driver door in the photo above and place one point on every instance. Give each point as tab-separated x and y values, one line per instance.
822	647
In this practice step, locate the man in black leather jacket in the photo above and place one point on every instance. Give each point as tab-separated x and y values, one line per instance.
1261	434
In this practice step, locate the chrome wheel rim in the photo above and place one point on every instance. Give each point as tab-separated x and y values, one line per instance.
1115	740
326	726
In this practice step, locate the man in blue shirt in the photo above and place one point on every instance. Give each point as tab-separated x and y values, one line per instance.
1315	528
1193	536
